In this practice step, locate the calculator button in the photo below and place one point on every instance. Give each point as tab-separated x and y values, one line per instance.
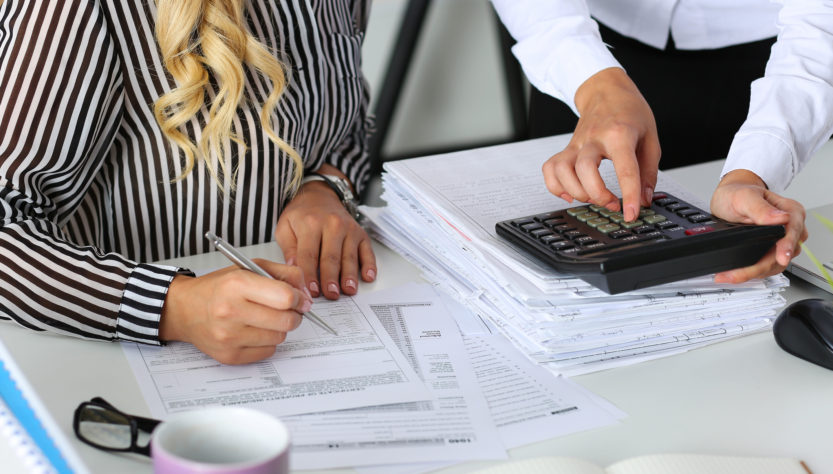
699	230
595	223
665	224
548	239
673	229
532	226
606	228
522	222
550	215
586	216
585	240
658	196
577	210
564	228
632	224
646	212
554	221
541	232
643	229
573	234
617	217
687	212
607	212
665	201
655	219
697	218
618	234
563	245
676	207
596	207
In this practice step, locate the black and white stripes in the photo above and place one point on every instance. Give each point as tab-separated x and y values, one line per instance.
87	190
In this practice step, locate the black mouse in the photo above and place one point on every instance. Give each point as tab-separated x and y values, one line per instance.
805	330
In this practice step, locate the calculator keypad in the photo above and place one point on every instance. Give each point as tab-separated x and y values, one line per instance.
591	228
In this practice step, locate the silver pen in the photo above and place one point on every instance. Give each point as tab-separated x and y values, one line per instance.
244	262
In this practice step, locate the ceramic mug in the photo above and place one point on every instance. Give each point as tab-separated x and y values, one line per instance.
222	440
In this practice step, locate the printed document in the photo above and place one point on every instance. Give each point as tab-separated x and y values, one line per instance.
455	425
311	370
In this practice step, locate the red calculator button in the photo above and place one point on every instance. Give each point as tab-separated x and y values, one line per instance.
659	196
699	230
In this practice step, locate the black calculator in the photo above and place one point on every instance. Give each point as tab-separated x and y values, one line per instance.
669	241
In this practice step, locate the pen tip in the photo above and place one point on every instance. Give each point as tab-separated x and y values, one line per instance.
210	235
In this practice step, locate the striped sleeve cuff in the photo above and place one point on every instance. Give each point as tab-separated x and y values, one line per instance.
141	304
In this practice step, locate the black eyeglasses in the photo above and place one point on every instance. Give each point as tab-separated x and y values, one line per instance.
102	426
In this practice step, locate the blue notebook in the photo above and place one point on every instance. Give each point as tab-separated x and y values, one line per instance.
26	425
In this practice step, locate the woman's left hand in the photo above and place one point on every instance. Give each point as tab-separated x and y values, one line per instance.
317	233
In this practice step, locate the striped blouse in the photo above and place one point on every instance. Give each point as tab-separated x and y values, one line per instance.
88	195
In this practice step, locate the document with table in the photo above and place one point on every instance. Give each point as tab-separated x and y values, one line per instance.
482	395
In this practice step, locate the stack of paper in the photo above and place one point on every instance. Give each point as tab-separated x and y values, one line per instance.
441	213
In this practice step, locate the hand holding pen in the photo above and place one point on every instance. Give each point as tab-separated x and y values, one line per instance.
234	315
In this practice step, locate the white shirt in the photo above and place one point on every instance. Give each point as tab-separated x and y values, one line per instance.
791	110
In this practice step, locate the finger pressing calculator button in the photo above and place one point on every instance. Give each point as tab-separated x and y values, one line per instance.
699	230
632	224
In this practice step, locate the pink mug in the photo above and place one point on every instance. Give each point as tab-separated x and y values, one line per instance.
222	440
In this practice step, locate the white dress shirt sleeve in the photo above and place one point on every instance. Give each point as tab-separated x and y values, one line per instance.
791	107
558	44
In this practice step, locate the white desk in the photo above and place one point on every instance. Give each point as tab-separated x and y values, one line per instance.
742	397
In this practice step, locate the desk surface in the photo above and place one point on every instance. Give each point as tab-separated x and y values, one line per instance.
742	397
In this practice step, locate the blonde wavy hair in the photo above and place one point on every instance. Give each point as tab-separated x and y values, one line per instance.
209	38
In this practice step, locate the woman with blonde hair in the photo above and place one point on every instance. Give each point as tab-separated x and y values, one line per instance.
129	128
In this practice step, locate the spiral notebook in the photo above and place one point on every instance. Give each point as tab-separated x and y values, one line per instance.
28	429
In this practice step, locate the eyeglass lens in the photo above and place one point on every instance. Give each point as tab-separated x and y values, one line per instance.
104	427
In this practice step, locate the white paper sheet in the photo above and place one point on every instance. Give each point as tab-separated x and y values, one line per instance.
456	425
312	369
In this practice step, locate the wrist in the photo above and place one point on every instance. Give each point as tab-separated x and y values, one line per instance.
610	81
742	176
171	310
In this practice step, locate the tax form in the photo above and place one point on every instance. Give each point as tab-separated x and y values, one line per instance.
455	426
312	370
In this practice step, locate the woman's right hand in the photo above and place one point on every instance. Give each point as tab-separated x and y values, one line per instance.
234	315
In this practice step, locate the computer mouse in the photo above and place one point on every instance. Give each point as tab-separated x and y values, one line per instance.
805	330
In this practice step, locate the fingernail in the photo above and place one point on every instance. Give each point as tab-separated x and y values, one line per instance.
306	306
306	292
777	212
371	274
332	288
350	284
566	197
648	192
290	261
613	205
313	287
631	212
